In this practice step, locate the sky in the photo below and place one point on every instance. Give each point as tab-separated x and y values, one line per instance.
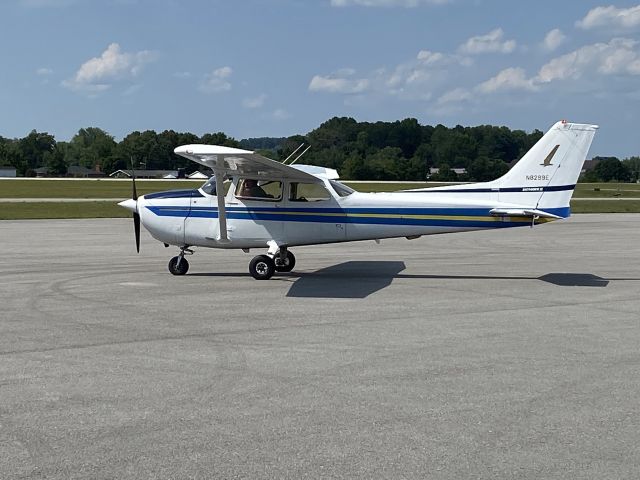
282	67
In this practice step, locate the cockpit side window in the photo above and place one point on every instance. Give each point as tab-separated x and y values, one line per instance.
264	190
307	192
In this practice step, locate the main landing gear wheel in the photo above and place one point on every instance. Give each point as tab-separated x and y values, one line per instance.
286	264
262	267
178	265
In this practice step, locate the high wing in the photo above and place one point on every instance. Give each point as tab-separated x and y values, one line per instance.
235	161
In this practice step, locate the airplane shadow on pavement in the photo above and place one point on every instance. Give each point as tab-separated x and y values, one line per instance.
355	279
359	279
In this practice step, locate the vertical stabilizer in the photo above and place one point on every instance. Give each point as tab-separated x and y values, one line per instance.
546	175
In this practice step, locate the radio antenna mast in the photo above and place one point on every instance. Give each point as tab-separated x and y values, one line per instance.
298	157
293	153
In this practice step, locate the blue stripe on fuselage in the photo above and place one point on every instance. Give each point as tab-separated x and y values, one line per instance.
551	188
336	215
174	194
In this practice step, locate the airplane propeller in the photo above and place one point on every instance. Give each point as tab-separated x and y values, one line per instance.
136	215
131	204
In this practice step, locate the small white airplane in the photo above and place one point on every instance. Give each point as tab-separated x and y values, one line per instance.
255	202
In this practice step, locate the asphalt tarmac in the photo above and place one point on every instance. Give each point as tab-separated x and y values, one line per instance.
489	355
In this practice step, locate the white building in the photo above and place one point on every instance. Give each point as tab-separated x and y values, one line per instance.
7	172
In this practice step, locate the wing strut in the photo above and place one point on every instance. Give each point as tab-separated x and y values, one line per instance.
222	213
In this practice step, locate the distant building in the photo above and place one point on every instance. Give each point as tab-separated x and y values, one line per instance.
197	175
77	171
459	171
159	174
42	172
7	172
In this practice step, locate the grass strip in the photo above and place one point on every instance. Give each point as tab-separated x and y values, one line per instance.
49	210
87	188
35	210
594	206
26	188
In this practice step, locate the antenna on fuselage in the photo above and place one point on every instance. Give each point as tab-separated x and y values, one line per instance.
284	162
298	157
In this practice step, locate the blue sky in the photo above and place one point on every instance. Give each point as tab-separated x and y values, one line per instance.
279	67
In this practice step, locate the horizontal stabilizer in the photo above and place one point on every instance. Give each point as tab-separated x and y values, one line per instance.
522	212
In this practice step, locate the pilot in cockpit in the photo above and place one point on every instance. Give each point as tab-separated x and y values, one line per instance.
250	188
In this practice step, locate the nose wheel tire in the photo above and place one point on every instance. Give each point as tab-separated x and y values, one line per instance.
262	267
287	264
178	266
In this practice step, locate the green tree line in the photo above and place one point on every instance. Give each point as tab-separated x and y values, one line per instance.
401	150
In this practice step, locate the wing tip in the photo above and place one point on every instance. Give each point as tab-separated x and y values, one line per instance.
202	149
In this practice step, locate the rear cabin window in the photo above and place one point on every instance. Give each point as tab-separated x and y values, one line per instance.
308	192
254	189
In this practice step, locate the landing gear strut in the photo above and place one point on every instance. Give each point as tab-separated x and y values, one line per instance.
179	265
277	259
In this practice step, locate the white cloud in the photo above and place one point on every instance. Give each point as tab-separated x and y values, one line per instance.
280	114
492	42
553	39
454	96
43	72
98	74
513	78
254	102
621	56
428	57
386	3
217	81
335	84
611	17
415	79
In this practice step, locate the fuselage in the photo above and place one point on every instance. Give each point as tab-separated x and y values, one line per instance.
335	214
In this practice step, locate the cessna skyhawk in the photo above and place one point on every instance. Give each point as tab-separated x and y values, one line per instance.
255	202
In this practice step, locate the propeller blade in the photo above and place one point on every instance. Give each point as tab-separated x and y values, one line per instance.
133	180
136	229
136	215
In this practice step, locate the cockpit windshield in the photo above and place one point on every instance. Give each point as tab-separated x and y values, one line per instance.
341	189
209	186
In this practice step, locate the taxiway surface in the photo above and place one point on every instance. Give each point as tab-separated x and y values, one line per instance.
505	354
